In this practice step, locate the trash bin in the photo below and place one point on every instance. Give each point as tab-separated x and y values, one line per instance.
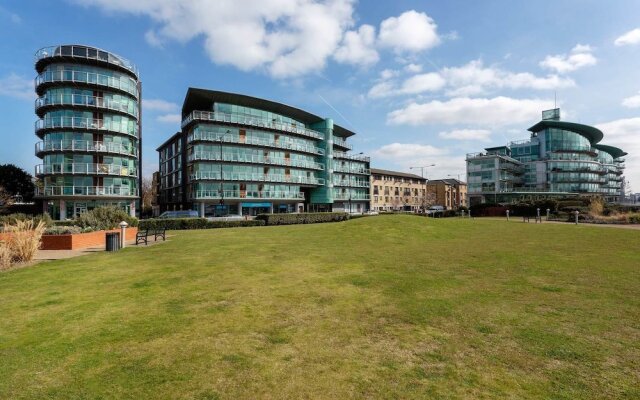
113	241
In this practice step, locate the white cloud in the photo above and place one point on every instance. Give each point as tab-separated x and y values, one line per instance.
631	37
153	39
388	74
358	47
286	38
623	133
472	78
413	68
170	118
158	105
632	102
13	17
497	111
17	86
482	135
403	156
410	32
579	57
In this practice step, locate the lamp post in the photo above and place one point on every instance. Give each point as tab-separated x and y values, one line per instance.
220	140
422	174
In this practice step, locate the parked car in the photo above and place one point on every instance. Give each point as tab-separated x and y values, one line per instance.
179	214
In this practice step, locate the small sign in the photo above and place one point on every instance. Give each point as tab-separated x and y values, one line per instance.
255	205
553	114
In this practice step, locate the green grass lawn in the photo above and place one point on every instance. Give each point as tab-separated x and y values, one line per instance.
382	307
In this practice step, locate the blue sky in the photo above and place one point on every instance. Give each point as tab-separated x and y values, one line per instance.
420	82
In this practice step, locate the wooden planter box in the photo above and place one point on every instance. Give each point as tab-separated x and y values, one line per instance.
79	241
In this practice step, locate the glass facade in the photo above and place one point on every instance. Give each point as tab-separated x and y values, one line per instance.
246	155
559	159
88	109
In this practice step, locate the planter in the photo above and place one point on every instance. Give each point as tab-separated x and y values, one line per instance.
79	241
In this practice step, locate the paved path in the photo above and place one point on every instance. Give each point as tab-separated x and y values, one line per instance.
44	255
515	220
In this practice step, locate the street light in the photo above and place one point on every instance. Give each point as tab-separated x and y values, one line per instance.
422	174
220	140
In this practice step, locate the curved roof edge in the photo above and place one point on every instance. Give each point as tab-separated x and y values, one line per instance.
201	99
593	134
614	151
50	52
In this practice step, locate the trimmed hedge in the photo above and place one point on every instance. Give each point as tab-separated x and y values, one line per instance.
193	223
302	218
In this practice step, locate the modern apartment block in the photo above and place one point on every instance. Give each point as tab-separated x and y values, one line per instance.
89	126
242	155
397	191
448	193
559	159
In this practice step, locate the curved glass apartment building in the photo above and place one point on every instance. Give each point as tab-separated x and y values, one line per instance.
88	107
559	159
241	155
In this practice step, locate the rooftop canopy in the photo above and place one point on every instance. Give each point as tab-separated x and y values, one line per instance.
593	134
614	151
203	99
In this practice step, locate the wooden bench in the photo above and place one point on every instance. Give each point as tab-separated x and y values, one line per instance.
159	232
142	236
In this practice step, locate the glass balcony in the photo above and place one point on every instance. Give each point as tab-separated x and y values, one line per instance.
338	141
249	177
253	159
242	119
355	157
246	194
87	101
219	138
84	146
352	170
86	123
97	191
347	183
127	85
89	53
353	196
84	169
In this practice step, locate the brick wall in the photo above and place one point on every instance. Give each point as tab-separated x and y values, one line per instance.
81	240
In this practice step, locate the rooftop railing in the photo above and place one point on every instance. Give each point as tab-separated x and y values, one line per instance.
253	159
246	194
243	119
338	141
97	191
89	53
86	123
87	101
249	177
84	169
125	84
280	144
85	146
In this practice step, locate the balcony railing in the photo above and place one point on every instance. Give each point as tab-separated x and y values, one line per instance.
338	141
352	170
353	196
85	123
90	53
249	177
219	138
125	84
251	121
84	169
355	157
347	183
112	191
85	146
246	194
87	101
253	159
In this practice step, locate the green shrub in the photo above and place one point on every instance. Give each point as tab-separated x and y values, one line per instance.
13	218
63	230
104	218
302	218
194	223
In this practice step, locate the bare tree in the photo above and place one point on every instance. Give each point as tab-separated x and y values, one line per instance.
146	192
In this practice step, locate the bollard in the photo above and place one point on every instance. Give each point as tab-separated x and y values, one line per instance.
123	231
538	215
577	212
507	215
462	213
548	213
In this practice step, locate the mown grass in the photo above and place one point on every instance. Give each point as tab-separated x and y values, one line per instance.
382	307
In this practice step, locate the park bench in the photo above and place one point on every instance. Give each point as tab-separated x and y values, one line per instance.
159	232
143	236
